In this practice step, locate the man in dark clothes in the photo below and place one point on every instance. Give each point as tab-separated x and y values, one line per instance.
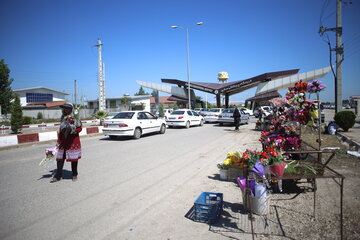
236	116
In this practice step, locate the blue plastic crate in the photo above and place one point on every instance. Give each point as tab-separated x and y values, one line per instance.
208	207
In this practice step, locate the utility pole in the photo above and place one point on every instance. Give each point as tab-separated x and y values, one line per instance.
75	94
102	104
339	57
339	49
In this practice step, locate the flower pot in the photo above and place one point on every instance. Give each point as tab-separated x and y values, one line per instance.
223	174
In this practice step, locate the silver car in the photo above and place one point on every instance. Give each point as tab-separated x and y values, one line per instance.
227	117
213	115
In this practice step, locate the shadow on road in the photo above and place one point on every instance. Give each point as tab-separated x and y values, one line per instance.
65	175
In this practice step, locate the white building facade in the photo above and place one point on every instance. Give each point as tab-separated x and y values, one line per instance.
38	95
141	102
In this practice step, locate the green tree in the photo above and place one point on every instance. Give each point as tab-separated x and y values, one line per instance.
141	92
161	110
174	106
199	102
6	94
101	115
155	93
39	115
16	119
125	100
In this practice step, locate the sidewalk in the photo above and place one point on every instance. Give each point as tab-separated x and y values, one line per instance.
96	121
352	137
13	140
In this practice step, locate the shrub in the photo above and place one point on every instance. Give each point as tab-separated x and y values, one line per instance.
345	119
39	115
26	120
161	110
16	115
101	115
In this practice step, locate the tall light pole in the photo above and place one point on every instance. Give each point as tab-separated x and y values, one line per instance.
188	56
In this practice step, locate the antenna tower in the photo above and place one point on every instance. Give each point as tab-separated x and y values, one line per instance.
101	80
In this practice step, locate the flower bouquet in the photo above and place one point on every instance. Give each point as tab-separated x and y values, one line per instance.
69	123
50	154
315	86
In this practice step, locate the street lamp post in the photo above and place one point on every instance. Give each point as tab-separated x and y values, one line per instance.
188	56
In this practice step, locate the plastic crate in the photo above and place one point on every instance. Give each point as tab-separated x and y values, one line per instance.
208	207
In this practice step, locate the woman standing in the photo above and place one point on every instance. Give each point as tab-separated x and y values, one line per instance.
236	116
69	146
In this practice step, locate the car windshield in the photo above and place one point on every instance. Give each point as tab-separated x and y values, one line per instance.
112	114
229	110
177	112
214	110
124	115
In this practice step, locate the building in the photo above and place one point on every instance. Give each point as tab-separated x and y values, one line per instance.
115	104
168	102
354	103
46	97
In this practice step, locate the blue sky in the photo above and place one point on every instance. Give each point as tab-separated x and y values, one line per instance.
51	43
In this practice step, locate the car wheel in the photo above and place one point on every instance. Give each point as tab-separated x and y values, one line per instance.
220	123
187	124
247	121
112	137
201	122
137	133
162	129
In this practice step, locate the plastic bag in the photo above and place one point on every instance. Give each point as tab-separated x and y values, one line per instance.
332	128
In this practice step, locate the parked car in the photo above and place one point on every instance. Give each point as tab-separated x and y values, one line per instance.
197	110
204	111
264	109
111	115
167	112
213	115
184	118
133	123
227	117
247	111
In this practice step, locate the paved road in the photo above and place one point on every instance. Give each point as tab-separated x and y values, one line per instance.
127	189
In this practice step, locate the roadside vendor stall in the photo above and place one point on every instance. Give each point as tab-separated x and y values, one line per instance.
284	155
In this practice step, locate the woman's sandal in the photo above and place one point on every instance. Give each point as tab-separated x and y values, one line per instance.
74	178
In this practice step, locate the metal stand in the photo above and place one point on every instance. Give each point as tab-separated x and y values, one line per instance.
326	173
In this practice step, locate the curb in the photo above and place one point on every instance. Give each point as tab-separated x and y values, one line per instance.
7	141
47	125
352	144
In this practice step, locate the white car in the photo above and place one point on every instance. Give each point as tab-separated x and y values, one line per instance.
167	112
184	118
227	117
266	110
133	123
204	111
247	111
213	115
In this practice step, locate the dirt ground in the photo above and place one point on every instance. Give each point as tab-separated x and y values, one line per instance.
295	219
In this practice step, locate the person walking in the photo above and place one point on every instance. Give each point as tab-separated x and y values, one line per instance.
68	143
236	116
